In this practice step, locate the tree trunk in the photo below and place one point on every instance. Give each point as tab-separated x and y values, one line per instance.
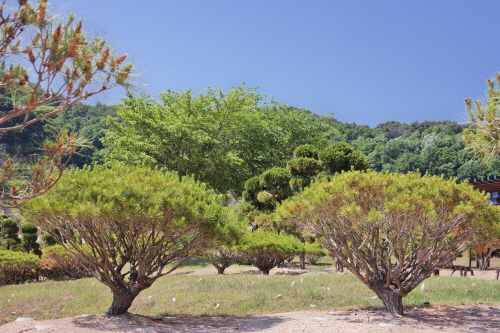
220	269
392	300
265	271
340	265
302	258
121	303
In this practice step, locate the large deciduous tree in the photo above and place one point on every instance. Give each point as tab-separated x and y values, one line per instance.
220	138
134	222
391	231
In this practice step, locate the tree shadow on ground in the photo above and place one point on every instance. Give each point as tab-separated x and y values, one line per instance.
461	319
132	322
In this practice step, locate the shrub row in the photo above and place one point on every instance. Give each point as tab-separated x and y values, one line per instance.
57	263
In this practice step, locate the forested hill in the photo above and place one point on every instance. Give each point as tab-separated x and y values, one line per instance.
86	120
433	147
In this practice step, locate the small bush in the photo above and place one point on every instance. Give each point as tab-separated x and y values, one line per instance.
314	252
66	264
16	267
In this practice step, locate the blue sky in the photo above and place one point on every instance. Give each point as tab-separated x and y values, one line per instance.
365	61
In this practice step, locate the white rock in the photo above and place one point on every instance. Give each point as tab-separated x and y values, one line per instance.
42	327
374	297
24	319
312	306
292	284
173	299
216	306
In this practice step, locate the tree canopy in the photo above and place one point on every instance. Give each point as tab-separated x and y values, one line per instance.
222	139
134	222
390	230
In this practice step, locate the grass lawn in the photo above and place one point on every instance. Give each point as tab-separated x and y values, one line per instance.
231	295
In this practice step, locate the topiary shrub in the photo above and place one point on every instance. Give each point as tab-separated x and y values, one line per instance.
48	239
340	156
29	239
275	177
221	258
8	234
308	151
314	252
16	267
266	250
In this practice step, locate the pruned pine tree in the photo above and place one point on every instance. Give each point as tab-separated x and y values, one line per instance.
391	231
134	222
266	250
47	65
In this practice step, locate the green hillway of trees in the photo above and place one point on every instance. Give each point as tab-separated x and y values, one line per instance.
243	136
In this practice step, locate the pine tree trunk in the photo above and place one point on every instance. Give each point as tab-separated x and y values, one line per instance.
302	258
339	265
121	303
392	300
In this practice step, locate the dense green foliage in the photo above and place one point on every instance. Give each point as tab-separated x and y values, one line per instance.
266	250
263	137
391	230
9	240
29	239
434	147
16	267
222	139
135	221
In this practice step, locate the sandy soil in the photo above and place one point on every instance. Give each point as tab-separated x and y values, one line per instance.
479	318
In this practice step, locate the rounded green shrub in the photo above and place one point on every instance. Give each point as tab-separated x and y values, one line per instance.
275	177
308	151
16	267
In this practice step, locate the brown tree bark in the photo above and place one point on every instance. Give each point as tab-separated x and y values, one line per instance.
392	299
121	303
302	258
339	265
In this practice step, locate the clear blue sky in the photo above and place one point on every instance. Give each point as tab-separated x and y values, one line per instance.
365	61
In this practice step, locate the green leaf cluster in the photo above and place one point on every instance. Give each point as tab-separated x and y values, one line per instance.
222	139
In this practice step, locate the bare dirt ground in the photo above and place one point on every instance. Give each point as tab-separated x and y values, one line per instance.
479	318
